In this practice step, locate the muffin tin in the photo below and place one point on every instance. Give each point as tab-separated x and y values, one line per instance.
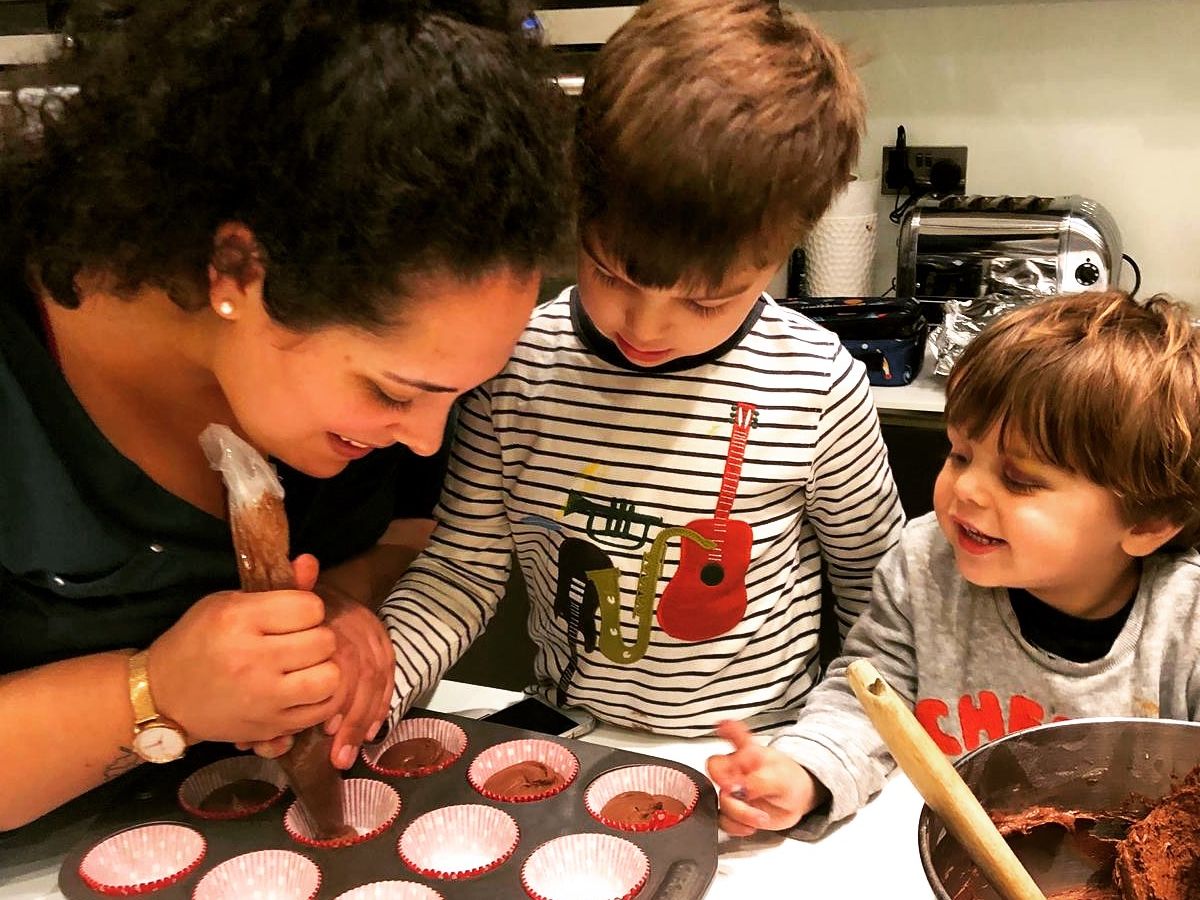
557	831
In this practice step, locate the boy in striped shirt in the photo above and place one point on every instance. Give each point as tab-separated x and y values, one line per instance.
672	456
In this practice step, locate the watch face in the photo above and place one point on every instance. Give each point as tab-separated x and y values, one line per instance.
158	743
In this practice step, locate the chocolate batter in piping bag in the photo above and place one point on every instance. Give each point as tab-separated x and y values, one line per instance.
260	539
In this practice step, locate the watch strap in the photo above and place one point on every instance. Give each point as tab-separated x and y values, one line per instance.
145	713
140	697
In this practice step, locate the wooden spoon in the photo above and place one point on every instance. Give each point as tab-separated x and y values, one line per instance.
940	784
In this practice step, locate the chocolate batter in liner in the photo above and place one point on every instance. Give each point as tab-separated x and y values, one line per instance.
523	780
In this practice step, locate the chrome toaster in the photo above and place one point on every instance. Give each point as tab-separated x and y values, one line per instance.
975	246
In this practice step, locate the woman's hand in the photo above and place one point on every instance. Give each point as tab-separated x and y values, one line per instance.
760	788
244	667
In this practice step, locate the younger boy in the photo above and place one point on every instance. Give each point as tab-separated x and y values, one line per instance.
1056	577
671	455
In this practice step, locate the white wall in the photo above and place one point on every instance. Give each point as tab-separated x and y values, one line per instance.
1092	97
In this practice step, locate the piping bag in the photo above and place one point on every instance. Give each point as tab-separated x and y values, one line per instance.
260	540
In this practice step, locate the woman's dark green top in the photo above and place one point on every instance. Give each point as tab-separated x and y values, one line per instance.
94	555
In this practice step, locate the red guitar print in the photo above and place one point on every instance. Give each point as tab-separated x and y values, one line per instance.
707	594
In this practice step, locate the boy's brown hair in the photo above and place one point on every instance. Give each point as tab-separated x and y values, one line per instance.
712	132
1101	386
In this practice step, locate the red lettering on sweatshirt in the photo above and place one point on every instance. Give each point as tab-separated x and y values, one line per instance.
1024	713
981	714
985	716
929	713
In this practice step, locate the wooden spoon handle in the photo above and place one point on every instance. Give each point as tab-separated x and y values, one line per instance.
940	784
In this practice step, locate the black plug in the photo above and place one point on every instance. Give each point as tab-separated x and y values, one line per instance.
945	175
898	176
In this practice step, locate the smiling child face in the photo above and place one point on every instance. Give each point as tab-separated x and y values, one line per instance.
1015	521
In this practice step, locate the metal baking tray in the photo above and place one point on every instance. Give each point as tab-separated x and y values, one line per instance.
683	858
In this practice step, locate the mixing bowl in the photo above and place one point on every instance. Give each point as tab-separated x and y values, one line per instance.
1089	765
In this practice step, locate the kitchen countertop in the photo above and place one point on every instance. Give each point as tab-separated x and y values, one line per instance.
874	854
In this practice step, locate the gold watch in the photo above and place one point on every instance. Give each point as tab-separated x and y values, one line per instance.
156	738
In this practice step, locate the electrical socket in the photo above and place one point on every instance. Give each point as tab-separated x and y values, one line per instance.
921	160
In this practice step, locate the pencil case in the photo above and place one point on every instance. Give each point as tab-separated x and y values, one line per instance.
886	334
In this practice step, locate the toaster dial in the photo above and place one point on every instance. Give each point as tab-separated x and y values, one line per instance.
1087	273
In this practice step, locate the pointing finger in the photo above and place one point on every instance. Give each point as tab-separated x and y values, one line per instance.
736	733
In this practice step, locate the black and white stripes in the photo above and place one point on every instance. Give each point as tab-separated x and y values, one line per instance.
577	464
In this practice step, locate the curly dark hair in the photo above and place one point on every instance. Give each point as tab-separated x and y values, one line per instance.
366	144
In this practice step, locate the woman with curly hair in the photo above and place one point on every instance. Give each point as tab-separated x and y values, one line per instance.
316	222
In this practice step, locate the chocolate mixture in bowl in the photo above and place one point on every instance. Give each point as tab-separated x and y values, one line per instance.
1158	858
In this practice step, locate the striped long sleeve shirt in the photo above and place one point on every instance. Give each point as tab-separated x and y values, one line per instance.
670	525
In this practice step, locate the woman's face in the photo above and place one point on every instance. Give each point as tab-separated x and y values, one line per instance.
318	400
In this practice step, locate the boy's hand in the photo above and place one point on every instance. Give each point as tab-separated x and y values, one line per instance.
760	788
365	663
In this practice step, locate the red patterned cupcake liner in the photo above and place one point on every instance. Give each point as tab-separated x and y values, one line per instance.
653	780
585	867
391	890
456	842
142	859
278	874
449	735
553	756
368	806
202	783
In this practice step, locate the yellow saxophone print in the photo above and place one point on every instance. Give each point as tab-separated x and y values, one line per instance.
608	591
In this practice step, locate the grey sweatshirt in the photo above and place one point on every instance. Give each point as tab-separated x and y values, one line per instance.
954	650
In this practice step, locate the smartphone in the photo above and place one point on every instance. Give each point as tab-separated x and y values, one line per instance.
534	714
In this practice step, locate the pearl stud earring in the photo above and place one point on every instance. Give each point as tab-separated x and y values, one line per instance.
225	308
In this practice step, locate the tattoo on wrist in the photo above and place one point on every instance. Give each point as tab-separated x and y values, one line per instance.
126	760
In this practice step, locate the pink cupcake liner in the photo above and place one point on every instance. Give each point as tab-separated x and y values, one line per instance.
455	842
650	779
368	806
391	890
501	756
197	787
142	859
278	874
449	735
585	867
